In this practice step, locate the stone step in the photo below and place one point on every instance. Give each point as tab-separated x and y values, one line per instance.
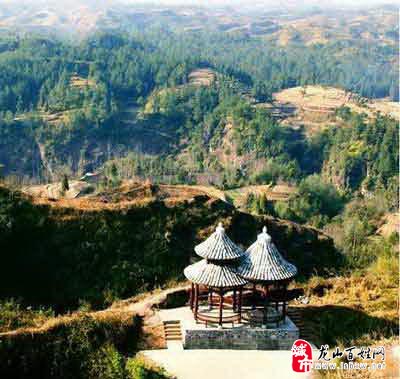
172	330
175	338
172	326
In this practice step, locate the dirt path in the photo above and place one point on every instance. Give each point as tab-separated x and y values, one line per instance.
140	305
144	306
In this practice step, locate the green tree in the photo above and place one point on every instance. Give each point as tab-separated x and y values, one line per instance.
115	180
315	202
65	183
263	203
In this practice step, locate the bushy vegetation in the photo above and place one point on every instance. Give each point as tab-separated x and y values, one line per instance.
13	315
121	252
109	363
355	230
361	154
363	298
314	203
79	347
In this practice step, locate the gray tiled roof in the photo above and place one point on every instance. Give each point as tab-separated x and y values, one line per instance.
219	246
263	261
213	275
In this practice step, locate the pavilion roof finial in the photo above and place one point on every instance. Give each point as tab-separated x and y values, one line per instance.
263	261
218	246
264	236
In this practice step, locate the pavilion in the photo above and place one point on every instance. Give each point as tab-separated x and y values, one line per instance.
223	285
225	270
217	273
264	265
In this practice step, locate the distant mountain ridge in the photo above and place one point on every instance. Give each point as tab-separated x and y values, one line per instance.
83	17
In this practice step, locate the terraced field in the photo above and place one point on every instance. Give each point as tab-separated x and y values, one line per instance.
314	107
280	192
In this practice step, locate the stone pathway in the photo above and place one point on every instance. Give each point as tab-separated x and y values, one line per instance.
230	364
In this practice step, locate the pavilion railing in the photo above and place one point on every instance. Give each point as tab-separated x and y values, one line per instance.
263	318
231	319
227	301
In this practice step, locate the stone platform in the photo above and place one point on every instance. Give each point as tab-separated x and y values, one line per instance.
239	336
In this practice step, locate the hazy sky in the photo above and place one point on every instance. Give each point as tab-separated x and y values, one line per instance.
247	3
269	2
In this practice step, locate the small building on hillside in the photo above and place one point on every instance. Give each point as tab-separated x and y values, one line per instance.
215	277
239	298
263	265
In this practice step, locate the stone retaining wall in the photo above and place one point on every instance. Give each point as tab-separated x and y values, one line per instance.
242	338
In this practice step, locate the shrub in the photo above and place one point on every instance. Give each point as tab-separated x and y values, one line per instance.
69	349
315	202
138	368
107	363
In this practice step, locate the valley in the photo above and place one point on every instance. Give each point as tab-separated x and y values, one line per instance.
131	133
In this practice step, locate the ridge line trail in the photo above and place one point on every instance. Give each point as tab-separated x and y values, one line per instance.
141	307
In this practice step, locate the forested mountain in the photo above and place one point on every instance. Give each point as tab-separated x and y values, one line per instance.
174	103
71	107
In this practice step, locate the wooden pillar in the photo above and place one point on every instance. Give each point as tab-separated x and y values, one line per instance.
210	292
266	303
191	296
221	301
240	304
196	302
284	302
254	296
234	299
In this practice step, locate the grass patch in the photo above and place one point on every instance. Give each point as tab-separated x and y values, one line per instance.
365	302
13	315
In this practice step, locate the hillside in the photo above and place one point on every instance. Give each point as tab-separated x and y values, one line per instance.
315	107
283	26
133	190
123	242
322	27
129	131
192	109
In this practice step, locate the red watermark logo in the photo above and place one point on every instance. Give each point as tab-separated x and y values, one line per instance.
301	356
